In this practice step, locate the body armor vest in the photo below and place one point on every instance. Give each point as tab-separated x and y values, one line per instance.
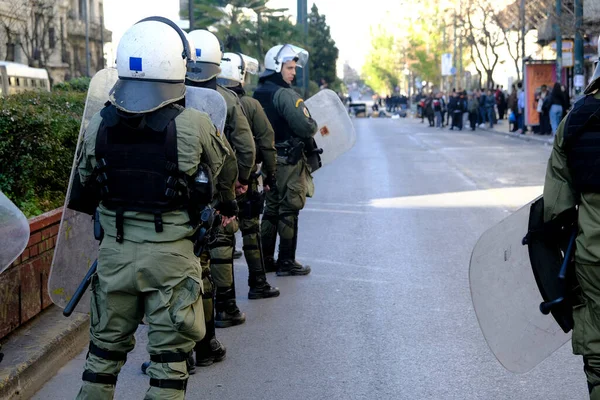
265	94
137	167
582	144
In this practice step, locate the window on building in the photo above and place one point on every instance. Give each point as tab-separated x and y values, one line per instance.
12	81
82	9
10	51
52	37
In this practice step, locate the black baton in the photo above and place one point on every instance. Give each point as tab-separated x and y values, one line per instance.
80	290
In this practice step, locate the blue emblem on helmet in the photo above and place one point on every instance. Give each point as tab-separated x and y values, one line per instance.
135	64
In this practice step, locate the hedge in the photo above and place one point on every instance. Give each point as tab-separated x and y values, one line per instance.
38	136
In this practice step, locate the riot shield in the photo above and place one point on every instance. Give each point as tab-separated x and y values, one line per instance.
209	101
14	232
335	134
506	297
76	248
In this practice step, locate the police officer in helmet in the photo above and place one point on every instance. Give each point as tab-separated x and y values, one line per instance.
239	136
234	67
294	130
573	180
139	157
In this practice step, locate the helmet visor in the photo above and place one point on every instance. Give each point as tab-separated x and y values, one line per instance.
290	52
202	71
250	64
227	82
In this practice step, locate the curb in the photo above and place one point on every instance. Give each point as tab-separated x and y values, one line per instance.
36	351
527	137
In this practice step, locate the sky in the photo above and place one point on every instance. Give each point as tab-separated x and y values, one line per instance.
350	25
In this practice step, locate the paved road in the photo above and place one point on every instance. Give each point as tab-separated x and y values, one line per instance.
386	312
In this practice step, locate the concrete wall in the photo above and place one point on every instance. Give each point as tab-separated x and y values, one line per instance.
24	285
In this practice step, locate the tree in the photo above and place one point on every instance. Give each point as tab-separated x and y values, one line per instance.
322	49
233	23
483	37
423	45
32	22
380	70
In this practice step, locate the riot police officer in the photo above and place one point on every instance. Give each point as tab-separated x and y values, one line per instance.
139	157
294	130
234	67
239	136
573	180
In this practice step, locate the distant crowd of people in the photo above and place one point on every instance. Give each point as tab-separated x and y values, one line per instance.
485	107
482	107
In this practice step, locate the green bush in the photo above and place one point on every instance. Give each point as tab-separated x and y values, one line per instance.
77	85
38	136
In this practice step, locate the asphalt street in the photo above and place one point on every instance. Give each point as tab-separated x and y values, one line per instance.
386	312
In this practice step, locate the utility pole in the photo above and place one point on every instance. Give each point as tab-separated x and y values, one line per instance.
102	37
86	4
444	47
303	19
578	50
460	51
454	54
558	33
522	12
191	14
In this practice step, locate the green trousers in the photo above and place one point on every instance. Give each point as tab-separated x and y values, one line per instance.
251	205
160	281
282	206
586	329
221	255
208	300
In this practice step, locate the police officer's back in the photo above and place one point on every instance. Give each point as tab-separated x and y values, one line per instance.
140	155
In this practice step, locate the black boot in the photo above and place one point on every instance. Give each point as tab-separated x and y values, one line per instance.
191	366
287	264
209	351
260	288
292	268
268	238
237	254
227	312
270	264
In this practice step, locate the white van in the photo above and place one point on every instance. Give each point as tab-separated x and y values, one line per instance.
16	78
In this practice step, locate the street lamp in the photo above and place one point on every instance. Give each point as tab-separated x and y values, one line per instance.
408	81
259	11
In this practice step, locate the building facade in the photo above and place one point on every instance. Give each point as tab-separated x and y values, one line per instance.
51	34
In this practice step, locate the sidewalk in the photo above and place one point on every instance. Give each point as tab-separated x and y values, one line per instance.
502	129
37	350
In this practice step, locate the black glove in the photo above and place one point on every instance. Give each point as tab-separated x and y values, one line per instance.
228	208
270	181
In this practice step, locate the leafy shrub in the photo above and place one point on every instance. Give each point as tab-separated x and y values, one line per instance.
76	84
38	136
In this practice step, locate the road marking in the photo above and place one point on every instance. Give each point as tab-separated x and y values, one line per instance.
335	211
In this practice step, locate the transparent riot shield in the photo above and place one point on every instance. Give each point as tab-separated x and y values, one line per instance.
14	232
335	134
209	101
76	248
507	300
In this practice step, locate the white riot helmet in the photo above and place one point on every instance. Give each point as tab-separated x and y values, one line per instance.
234	67
280	54
208	54
152	59
595	80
